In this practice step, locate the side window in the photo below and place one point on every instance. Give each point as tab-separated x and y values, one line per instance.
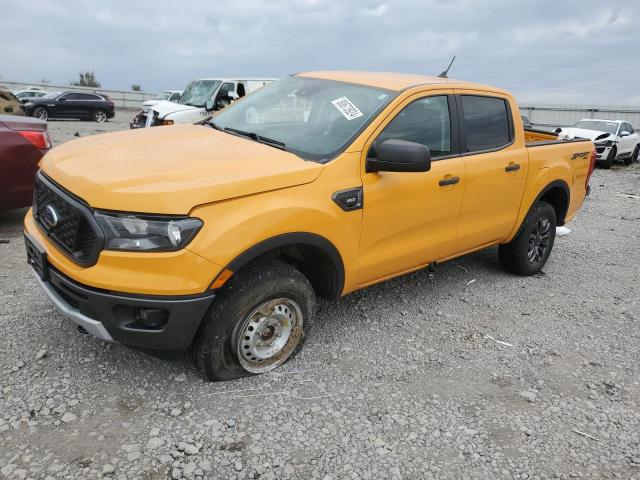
174	97
70	96
628	128
222	99
486	121
87	96
426	121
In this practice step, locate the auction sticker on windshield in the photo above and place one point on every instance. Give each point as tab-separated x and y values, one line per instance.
346	108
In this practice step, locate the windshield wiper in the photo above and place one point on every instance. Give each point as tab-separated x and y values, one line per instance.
211	123
258	138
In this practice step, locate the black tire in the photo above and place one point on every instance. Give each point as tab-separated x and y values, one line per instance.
99	116
41	113
606	164
634	155
538	226
215	347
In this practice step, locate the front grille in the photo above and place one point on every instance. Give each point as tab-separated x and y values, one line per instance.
74	230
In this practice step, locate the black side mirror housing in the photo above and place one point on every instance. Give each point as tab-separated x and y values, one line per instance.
400	156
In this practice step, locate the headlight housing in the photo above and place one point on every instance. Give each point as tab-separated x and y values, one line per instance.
150	233
604	143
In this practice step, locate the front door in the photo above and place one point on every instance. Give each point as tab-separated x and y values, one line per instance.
410	219
496	168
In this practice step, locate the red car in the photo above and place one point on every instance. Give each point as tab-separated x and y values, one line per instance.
23	142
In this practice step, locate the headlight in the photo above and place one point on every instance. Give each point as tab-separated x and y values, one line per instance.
166	122
28	104
124	231
604	143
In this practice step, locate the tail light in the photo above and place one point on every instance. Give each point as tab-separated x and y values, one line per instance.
37	139
592	165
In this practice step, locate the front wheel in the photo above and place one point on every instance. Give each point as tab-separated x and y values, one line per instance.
528	252
41	113
256	323
606	164
634	156
100	116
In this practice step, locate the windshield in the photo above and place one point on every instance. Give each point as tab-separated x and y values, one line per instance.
609	127
313	118
198	92
163	96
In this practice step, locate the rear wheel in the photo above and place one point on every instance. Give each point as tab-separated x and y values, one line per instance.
41	113
528	252
610	158
256	323
636	152
99	116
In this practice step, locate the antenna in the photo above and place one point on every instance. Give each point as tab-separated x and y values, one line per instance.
444	74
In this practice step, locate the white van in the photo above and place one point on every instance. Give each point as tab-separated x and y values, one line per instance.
202	98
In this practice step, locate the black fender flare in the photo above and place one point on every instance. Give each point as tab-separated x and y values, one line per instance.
554	184
295	238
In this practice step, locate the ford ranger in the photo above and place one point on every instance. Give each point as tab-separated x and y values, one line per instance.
217	237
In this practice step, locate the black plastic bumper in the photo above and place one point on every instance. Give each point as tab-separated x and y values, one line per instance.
152	322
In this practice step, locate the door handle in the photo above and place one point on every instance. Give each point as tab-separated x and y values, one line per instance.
512	167
449	181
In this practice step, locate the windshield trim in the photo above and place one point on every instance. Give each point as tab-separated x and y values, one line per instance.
326	158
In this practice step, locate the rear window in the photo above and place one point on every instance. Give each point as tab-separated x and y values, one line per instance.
486	121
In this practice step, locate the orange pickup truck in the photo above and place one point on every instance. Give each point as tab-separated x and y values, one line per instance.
218	236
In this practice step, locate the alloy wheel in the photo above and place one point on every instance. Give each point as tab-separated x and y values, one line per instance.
539	240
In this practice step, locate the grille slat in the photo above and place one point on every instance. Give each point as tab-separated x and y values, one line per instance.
74	233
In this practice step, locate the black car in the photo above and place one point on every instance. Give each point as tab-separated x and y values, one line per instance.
89	106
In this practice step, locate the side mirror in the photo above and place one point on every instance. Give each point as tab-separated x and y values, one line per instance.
232	96
63	99
624	134
208	106
400	156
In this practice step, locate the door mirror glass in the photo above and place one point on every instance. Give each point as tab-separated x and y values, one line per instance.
624	134
400	156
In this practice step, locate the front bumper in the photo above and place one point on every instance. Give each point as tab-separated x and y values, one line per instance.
114	316
602	152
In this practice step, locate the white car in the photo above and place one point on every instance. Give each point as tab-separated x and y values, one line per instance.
614	139
201	99
140	120
29	94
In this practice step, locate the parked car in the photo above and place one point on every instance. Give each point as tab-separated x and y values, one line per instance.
140	119
202	98
9	104
614	139
218	236
23	141
25	95
81	105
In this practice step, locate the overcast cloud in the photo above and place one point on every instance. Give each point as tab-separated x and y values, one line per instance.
581	51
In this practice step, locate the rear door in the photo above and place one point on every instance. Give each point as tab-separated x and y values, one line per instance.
410	219
496	169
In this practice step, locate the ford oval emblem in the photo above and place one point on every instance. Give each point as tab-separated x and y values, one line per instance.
50	216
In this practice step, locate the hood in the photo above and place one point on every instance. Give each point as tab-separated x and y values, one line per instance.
150	103
584	133
164	108
171	170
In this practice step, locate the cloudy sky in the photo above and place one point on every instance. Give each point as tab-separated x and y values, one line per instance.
571	51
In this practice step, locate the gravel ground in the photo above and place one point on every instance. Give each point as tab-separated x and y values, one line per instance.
478	375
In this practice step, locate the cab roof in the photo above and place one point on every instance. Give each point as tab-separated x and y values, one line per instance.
394	81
